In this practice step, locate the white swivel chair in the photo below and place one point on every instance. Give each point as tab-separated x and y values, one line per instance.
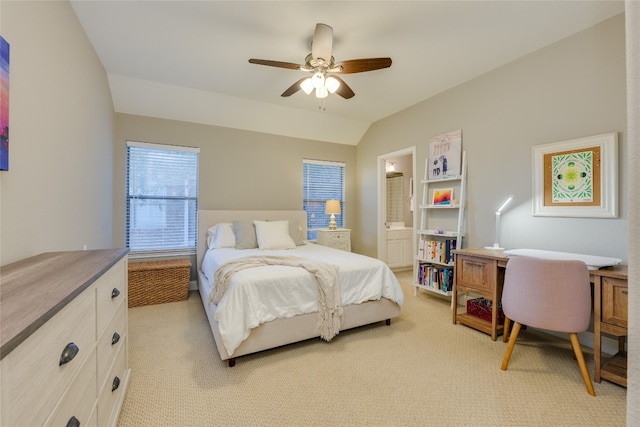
548	294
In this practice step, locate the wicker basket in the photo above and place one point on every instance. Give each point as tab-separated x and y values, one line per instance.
158	282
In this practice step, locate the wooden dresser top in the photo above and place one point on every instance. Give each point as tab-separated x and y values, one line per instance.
33	290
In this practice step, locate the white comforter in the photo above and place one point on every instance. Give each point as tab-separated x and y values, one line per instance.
261	294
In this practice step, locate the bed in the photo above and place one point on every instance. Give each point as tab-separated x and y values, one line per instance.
274	325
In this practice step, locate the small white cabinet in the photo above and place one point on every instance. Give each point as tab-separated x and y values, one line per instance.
339	238
399	248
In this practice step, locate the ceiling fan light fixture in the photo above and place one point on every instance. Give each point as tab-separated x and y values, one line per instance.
332	84
307	86
321	92
318	79
323	69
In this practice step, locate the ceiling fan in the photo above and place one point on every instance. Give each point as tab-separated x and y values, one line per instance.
323	68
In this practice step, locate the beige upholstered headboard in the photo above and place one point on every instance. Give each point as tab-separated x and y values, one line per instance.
207	219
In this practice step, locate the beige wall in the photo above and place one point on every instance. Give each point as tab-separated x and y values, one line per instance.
61	129
237	169
573	88
57	193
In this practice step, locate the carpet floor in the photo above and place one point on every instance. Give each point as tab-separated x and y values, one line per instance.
420	371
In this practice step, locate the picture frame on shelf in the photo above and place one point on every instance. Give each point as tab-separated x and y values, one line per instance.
445	153
577	177
442	197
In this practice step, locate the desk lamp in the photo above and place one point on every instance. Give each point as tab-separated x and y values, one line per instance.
496	244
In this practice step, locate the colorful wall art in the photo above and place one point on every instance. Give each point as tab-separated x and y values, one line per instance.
4	104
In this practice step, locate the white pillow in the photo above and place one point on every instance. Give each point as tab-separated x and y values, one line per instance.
273	235
221	236
211	234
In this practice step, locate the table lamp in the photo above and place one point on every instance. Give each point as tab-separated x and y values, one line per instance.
496	244
332	207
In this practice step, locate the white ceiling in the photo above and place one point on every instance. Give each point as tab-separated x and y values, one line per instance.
188	60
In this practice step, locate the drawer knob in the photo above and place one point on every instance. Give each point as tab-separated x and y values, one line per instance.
116	384
115	338
115	292
68	353
73	422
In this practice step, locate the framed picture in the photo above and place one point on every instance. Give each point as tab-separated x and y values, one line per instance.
4	104
445	152
577	178
442	197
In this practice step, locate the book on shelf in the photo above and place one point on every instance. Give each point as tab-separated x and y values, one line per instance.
435	277
440	251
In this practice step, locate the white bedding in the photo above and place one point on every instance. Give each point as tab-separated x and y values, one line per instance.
262	294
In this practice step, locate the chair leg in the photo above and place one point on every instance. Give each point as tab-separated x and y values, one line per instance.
512	342
575	343
505	329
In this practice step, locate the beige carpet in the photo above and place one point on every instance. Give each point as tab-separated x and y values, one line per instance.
422	370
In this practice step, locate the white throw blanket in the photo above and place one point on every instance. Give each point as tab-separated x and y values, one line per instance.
329	303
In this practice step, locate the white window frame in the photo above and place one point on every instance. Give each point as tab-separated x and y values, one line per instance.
190	224
318	219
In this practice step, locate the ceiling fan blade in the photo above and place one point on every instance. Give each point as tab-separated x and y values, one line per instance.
293	88
362	65
279	64
322	44
344	90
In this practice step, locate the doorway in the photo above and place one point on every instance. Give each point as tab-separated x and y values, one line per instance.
396	195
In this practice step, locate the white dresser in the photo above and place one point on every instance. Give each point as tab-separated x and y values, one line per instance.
338	239
64	339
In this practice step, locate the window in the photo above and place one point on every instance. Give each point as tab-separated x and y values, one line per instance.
322	181
162	198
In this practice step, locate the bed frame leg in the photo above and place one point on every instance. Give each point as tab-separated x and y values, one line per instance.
232	362
387	322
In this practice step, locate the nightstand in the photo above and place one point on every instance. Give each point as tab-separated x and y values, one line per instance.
339	238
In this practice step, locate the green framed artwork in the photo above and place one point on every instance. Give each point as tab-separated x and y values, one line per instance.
577	178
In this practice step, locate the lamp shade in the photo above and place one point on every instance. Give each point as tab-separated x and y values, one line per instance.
321	92
332	207
307	85
332	84
318	79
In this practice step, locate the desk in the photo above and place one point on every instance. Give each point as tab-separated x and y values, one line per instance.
481	272
610	316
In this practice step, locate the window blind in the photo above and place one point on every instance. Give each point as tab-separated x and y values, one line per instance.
323	180
162	197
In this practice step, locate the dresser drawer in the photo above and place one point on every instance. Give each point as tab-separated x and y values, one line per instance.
112	389
32	377
475	273
337	236
111	291
110	342
79	400
345	246
615	302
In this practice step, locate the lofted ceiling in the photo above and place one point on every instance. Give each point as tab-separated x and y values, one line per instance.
188	60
